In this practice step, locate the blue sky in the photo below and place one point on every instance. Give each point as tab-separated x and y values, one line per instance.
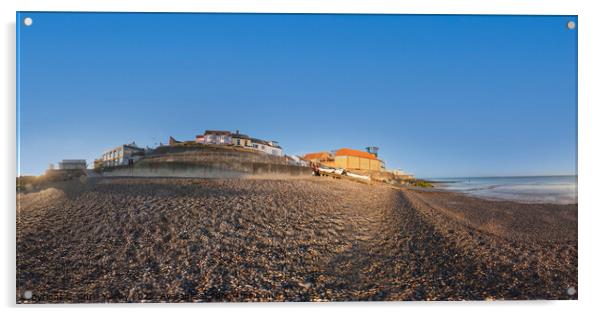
441	96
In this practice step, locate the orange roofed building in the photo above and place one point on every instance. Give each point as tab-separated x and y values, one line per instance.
323	158
356	159
318	157
346	158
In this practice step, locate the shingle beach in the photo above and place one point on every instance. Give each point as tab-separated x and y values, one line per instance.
309	239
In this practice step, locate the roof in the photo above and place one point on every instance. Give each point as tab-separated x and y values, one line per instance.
259	141
124	146
132	147
319	155
227	133
263	142
237	135
354	153
73	161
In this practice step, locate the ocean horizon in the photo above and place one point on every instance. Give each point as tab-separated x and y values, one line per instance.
526	189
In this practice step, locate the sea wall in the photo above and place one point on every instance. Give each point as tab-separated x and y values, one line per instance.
229	169
202	161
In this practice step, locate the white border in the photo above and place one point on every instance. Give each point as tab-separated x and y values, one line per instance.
590	144
312	6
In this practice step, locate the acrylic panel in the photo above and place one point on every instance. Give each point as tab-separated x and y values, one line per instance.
213	157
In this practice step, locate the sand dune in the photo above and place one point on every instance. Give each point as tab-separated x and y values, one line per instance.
151	240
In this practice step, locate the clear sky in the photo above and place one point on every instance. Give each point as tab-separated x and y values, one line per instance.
440	95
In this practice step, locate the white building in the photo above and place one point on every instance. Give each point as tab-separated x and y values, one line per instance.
122	155
268	147
72	164
240	140
296	160
401	174
217	137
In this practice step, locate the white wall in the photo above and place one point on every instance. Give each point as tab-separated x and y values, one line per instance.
218	139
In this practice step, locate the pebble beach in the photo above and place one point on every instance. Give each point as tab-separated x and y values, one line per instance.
298	239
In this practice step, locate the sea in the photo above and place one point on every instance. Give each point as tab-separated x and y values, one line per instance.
527	189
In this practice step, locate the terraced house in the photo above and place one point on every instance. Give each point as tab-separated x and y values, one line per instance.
217	137
214	137
269	147
121	155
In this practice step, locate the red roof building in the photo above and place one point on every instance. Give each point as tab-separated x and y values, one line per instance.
354	153
351	159
318	157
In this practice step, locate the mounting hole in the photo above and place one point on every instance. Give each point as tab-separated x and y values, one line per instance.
571	25
27	295
571	291
27	21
